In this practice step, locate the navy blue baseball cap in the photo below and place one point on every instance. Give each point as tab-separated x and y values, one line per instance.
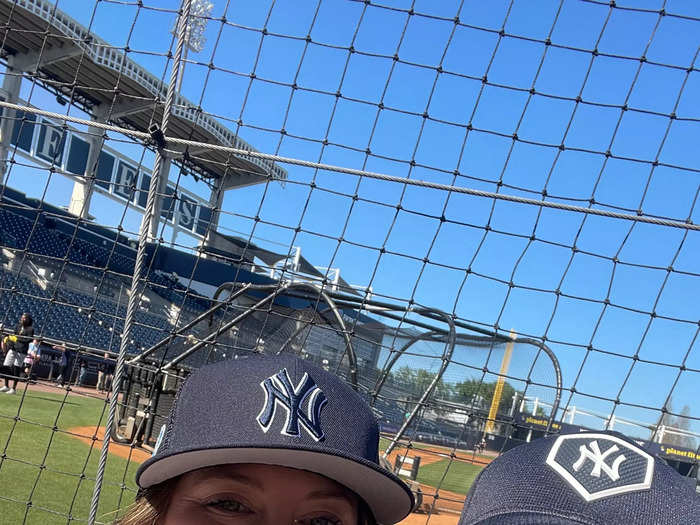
591	478
277	410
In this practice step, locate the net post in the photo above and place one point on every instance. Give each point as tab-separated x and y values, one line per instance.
136	285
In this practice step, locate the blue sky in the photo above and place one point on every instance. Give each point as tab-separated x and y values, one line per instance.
452	100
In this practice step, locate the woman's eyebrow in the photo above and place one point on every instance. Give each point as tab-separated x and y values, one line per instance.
232	476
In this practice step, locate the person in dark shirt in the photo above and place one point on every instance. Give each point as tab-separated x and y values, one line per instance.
82	375
15	347
63	364
105	369
101	367
109	375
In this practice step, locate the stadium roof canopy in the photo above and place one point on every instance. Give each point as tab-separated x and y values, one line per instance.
67	58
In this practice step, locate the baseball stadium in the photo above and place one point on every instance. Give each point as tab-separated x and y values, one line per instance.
481	217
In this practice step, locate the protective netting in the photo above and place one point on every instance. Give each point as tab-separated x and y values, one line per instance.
482	215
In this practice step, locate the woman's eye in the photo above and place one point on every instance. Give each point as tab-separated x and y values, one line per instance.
228	505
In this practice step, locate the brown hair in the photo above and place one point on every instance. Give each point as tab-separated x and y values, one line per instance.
152	503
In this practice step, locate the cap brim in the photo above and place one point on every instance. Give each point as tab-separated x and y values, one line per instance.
525	518
389	499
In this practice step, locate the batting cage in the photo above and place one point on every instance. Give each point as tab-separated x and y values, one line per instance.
482	216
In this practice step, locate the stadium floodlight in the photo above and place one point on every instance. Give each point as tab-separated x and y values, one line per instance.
197	24
200	10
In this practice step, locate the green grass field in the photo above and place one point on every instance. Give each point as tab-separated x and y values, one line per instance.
48	495
459	478
460	474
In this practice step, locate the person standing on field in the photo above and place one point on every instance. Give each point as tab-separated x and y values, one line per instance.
15	347
102	375
109	375
63	364
82	362
33	355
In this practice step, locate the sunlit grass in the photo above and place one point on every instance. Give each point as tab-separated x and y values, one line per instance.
47	475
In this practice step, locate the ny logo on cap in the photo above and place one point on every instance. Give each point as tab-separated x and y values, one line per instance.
599	465
598	460
279	391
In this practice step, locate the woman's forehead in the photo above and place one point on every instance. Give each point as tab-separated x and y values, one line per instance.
263	476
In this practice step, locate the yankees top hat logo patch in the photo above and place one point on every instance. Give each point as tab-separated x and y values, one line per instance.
291	398
599	465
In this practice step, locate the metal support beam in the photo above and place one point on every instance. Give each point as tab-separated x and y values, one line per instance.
83	188
44	57
162	185
216	199
450	342
11	85
180	331
213	336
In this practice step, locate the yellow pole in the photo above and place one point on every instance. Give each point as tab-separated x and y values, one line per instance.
498	391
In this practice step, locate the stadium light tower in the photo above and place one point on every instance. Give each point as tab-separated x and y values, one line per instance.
200	10
195	25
